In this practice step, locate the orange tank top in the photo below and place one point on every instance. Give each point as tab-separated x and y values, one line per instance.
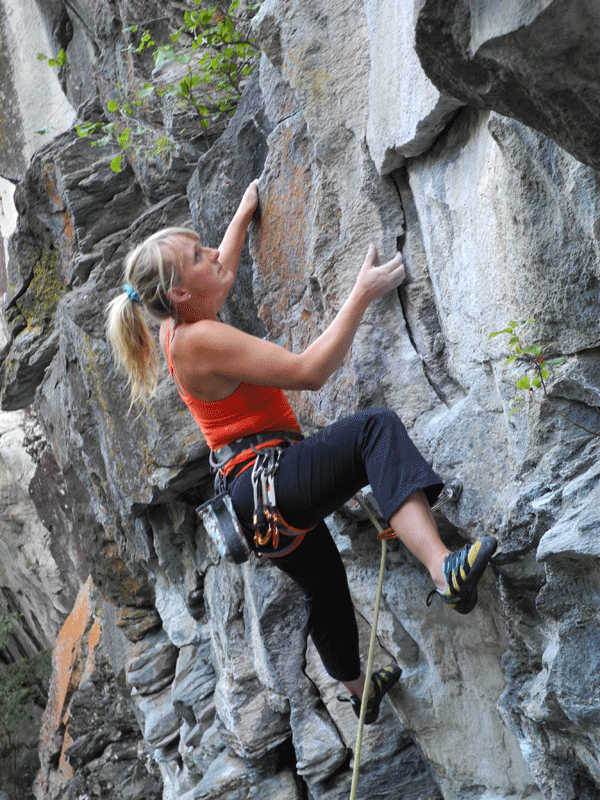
249	409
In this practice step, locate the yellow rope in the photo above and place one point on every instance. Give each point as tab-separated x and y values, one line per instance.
366	692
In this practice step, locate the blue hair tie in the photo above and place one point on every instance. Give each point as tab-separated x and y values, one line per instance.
132	294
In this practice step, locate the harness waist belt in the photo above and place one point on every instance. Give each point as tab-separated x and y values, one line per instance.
218	458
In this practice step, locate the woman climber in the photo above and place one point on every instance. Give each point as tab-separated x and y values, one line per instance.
232	383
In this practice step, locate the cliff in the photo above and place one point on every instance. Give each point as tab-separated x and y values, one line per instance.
464	133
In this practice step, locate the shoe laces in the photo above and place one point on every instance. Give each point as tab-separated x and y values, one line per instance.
451	567
453	563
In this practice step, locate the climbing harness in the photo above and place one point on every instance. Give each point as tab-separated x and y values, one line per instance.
451	493
263	451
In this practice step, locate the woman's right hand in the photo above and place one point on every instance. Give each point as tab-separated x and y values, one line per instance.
376	280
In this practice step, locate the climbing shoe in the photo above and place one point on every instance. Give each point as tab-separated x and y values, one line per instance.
381	682
462	570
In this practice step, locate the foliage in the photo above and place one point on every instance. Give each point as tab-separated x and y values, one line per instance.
532	355
59	60
213	80
6	623
216	54
537	364
22	684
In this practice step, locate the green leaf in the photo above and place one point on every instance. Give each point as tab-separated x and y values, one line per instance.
532	349
146	91
510	359
544	373
124	138
115	164
497	333
112	105
515	403
537	383
164	55
555	362
523	383
161	145
87	128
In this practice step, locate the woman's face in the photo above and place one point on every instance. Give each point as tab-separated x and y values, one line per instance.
200	273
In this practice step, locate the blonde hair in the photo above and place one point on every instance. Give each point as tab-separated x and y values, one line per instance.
150	270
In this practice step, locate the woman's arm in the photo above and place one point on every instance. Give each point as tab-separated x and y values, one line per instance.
222	350
235	235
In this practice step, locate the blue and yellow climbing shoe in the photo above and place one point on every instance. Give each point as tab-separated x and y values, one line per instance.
462	570
381	682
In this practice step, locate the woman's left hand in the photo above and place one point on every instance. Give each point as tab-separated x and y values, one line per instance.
249	201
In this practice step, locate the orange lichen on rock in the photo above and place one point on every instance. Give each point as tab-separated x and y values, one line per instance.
73	662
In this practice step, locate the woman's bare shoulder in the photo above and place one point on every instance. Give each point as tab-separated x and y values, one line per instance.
206	334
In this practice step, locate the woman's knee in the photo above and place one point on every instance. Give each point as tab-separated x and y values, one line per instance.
382	419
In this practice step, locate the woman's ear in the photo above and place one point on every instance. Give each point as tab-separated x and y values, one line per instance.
177	294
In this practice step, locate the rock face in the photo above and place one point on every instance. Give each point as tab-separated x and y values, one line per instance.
486	179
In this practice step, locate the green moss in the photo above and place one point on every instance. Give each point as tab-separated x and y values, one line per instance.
39	303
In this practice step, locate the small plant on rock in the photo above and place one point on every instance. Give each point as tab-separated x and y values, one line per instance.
534	357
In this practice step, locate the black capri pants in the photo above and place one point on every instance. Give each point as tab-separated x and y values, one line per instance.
315	477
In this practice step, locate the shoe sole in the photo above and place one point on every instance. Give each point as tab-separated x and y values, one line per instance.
466	603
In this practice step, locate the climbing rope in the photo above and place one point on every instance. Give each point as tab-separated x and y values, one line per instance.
383	535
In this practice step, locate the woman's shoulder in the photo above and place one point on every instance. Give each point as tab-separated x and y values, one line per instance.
201	334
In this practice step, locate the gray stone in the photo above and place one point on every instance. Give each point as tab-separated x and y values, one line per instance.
230	779
36	575
194	682
151	663
529	61
30	118
406	111
273	615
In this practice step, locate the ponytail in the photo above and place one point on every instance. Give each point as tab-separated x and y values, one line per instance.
133	346
150	271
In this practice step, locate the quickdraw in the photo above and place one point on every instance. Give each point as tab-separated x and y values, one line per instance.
266	520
